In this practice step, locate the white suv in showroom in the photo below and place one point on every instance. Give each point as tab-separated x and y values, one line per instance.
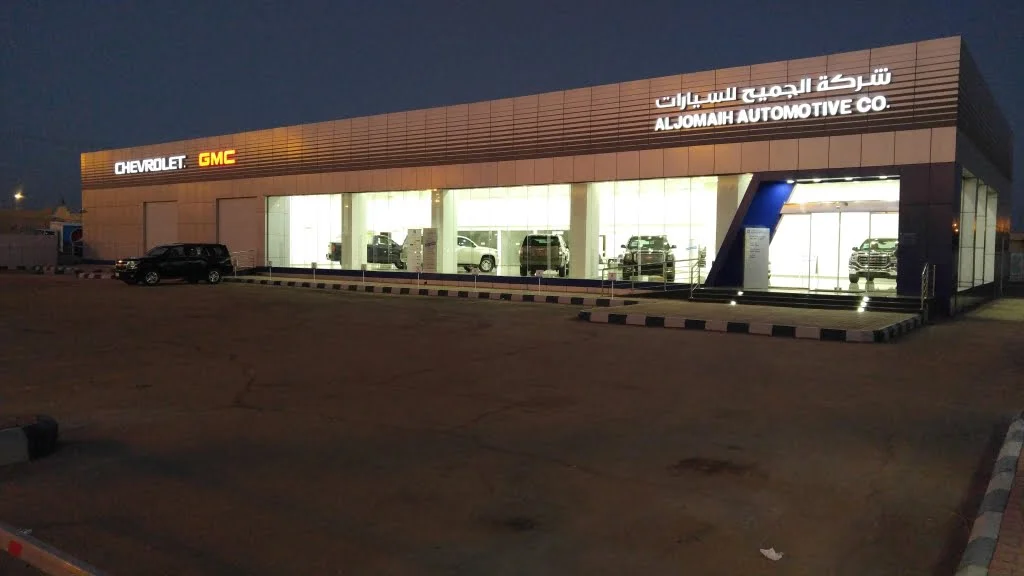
469	255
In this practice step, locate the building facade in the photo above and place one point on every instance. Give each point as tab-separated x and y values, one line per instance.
829	172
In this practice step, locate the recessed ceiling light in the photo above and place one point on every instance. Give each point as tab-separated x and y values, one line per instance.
882	177
790	181
848	179
816	180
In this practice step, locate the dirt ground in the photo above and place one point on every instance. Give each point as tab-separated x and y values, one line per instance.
244	430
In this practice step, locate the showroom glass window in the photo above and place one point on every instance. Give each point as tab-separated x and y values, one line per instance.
679	212
838	235
499	220
301	230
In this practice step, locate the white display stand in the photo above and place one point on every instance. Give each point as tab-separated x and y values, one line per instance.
413	250
755	257
430	250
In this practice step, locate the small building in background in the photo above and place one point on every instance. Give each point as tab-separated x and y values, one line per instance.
38	237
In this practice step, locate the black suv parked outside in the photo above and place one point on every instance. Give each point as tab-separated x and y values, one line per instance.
190	262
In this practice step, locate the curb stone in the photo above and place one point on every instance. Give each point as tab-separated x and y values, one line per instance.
981	545
28	441
454	293
96	275
40	269
886	334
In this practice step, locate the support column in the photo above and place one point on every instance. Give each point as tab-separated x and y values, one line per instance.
442	217
730	194
353	231
584	231
278	245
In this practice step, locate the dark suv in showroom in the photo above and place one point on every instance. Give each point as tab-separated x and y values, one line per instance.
381	250
189	262
649	256
874	258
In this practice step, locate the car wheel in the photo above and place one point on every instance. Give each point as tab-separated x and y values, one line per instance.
400	265
486	264
671	278
854	278
213	276
151	278
562	271
522	270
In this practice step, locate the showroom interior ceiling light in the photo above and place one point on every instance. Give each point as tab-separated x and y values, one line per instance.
837	179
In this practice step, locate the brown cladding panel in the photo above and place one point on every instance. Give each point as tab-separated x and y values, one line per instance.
925	92
980	119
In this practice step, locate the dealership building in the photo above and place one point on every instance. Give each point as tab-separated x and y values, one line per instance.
848	172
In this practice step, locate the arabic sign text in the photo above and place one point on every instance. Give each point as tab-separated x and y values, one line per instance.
820	108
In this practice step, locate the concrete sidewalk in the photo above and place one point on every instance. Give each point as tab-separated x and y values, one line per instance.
836	325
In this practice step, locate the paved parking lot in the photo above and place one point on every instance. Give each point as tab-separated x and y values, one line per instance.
249	430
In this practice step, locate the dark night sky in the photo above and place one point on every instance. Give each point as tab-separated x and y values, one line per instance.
84	75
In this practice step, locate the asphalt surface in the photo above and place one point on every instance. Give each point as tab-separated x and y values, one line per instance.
235	430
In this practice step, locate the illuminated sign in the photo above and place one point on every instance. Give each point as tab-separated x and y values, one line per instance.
789	111
150	165
221	158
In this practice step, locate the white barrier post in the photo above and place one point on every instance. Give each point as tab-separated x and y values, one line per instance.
313	264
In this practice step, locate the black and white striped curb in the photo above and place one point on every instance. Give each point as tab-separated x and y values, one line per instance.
981	545
449	292
28	441
885	334
39	269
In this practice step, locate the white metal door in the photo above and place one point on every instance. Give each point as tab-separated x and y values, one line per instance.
239	227
161	223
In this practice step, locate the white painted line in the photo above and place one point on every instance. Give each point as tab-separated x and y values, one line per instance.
762	329
675	322
636	319
986	526
860	335
1001	481
716	325
810	332
1009	449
